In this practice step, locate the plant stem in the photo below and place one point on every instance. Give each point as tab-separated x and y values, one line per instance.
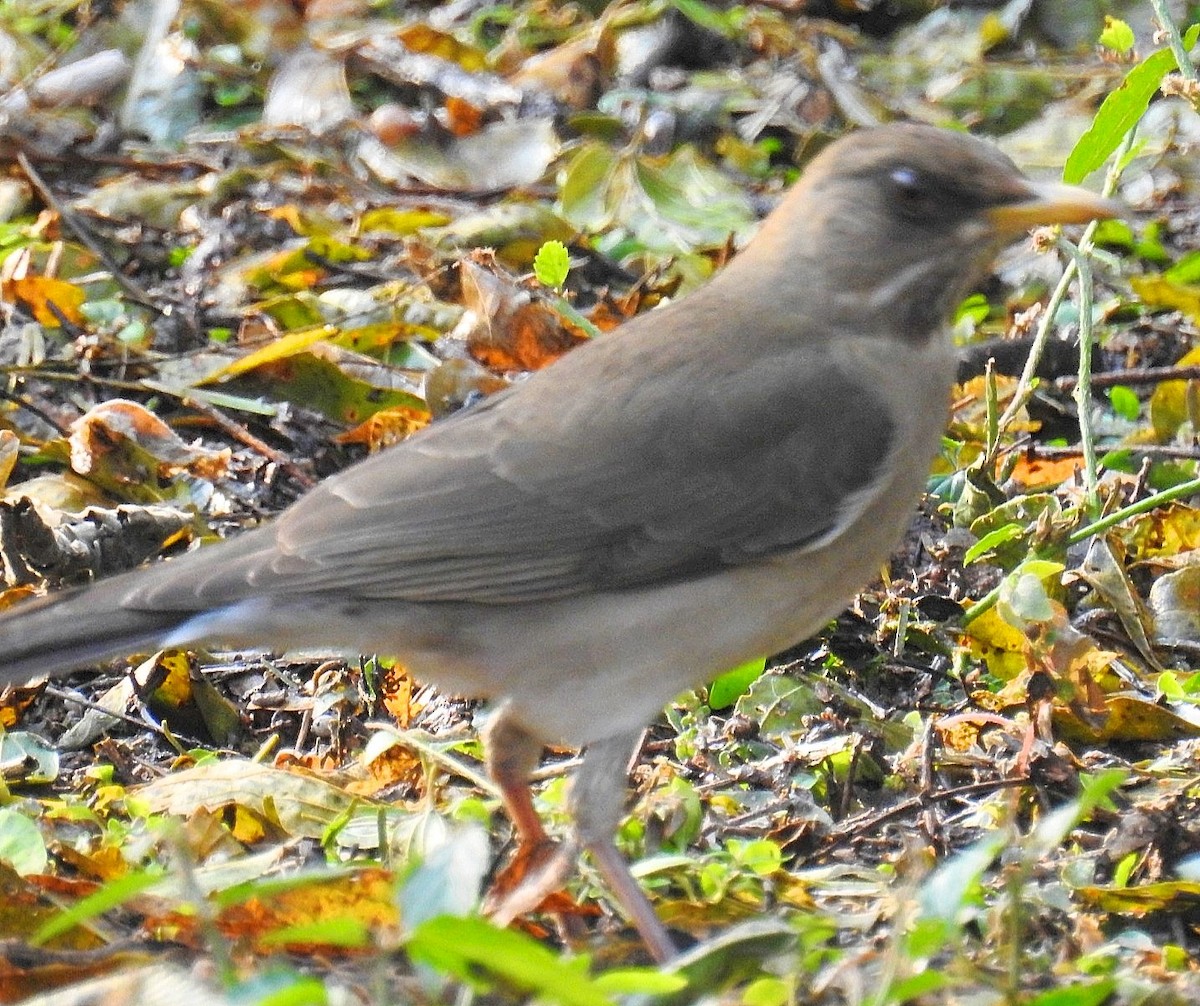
1083	386
1174	39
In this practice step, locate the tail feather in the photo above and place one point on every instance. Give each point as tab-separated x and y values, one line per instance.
70	630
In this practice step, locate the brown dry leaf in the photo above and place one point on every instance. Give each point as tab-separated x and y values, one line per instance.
1124	718
16	699
575	71
1165	532
396	764
43	545
1073	657
122	977
365	896
526	866
51	301
13	595
396	689
1175	605
1103	569
427	40
320	10
301	804
970	408
386	427
100	717
358	904
63	492
309	89
120	436
1040	473
28	902
455	383
506	330
961	732
96	862
608	314
464	118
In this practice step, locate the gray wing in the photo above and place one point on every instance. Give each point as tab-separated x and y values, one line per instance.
557	487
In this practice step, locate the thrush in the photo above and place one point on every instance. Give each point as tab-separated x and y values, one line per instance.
707	484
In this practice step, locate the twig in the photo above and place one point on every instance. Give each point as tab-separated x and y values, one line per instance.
871	822
239	432
1141	375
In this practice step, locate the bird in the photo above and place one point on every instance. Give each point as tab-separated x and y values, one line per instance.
708	483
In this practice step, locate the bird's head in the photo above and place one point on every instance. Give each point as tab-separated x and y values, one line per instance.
897	222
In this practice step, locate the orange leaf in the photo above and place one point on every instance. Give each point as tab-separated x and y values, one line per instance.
50	300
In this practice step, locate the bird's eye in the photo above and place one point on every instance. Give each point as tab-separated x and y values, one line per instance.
911	192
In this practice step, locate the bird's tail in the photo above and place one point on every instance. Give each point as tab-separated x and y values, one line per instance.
72	629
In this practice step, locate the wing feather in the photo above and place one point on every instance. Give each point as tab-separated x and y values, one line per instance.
546	493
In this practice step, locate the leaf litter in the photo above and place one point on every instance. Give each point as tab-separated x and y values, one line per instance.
271	259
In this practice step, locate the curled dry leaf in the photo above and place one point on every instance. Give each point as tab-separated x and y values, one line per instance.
457	382
97	437
97	542
386	427
505	328
309	89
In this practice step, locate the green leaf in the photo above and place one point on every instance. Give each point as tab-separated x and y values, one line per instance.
734	683
760	856
928	935
21	844
346	932
975	307
953	888
640	981
112	894
1121	110
1118	114
1097	789
551	264
1124	869
1089	994
585	191
1124	402
1117	35
1023	599
769	991
1186	271
708	16
989	541
464	948
918	986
